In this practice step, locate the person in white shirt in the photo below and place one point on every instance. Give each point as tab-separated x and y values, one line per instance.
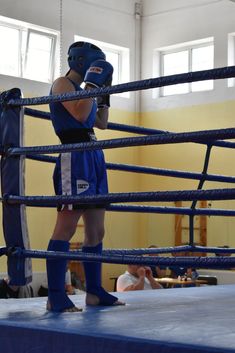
137	277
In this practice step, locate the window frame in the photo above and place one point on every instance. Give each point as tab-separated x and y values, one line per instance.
231	57
183	47
115	51
52	52
19	29
26	29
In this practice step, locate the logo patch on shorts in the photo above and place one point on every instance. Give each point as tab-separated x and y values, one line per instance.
82	185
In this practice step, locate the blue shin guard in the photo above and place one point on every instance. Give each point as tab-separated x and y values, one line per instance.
56	269
93	277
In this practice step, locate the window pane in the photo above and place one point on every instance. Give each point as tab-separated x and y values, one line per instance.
38	57
114	59
202	59
231	56
9	58
175	63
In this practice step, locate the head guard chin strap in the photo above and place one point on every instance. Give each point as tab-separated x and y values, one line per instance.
81	55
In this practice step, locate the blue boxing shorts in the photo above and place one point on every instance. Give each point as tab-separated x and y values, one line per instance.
81	173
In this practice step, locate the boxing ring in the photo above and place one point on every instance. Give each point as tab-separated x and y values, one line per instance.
176	320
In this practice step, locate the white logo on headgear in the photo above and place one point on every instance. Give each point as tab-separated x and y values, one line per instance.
82	185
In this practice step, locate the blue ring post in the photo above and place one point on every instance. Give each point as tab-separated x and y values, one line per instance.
12	183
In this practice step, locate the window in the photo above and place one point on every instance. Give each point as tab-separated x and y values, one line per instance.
118	57
231	56
26	51
10	40
186	58
39	54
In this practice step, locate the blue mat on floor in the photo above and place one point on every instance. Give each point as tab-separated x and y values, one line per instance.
192	320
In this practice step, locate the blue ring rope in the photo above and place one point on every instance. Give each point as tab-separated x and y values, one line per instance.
147	131
194	136
203	262
149	170
112	126
171	249
213	74
167	196
168	172
147	251
37	113
171	210
128	128
153	209
3	251
200	185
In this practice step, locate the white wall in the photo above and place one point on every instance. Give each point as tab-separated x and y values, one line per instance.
164	23
167	23
109	21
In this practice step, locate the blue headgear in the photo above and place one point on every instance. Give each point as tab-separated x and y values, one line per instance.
81	55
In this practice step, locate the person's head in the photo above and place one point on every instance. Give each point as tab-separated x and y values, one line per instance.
132	269
152	247
81	55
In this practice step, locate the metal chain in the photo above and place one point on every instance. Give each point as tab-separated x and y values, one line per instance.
61	35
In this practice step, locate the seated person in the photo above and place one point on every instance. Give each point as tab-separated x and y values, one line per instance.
43	290
176	271
77	283
137	277
68	283
8	291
